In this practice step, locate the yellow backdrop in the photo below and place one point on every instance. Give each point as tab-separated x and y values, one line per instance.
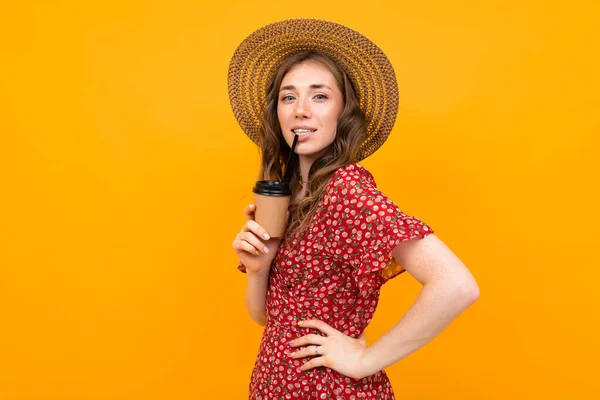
125	174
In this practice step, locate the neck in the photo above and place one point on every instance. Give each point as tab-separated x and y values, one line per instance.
306	161
305	164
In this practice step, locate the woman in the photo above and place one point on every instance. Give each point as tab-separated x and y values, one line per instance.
316	288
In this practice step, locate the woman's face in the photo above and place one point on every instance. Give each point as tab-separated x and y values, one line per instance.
309	99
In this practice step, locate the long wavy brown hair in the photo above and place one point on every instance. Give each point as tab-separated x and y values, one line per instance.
350	133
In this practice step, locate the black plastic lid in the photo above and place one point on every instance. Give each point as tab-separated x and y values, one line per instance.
272	188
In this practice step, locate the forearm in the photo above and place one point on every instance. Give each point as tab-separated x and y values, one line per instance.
256	295
435	307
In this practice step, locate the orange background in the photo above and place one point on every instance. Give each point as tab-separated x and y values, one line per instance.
124	176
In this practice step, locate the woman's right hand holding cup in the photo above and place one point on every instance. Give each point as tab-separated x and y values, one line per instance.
250	244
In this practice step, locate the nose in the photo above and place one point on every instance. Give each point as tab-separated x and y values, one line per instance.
302	109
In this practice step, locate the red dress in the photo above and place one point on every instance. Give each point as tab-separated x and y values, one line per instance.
333	271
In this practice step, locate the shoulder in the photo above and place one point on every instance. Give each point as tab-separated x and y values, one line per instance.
352	185
353	175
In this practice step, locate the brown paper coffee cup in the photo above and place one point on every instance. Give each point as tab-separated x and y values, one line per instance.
271	213
272	200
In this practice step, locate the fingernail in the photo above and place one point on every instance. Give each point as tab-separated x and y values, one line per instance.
266	235
291	343
266	250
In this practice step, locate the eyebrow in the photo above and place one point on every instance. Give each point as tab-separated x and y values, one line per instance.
313	86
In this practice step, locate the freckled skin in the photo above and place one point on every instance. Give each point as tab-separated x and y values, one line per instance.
316	107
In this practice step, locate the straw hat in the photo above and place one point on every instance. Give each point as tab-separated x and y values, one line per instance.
257	58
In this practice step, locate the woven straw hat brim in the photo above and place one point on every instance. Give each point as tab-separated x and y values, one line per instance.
257	58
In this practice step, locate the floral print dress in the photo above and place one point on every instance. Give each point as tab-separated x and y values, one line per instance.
333	271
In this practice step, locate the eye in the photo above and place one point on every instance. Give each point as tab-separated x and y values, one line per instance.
286	97
321	96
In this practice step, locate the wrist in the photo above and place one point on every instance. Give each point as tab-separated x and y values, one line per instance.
263	274
368	363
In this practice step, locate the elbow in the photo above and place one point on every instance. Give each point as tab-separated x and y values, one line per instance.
260	319
467	291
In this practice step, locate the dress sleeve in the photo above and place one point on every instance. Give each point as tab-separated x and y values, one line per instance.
377	225
241	267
